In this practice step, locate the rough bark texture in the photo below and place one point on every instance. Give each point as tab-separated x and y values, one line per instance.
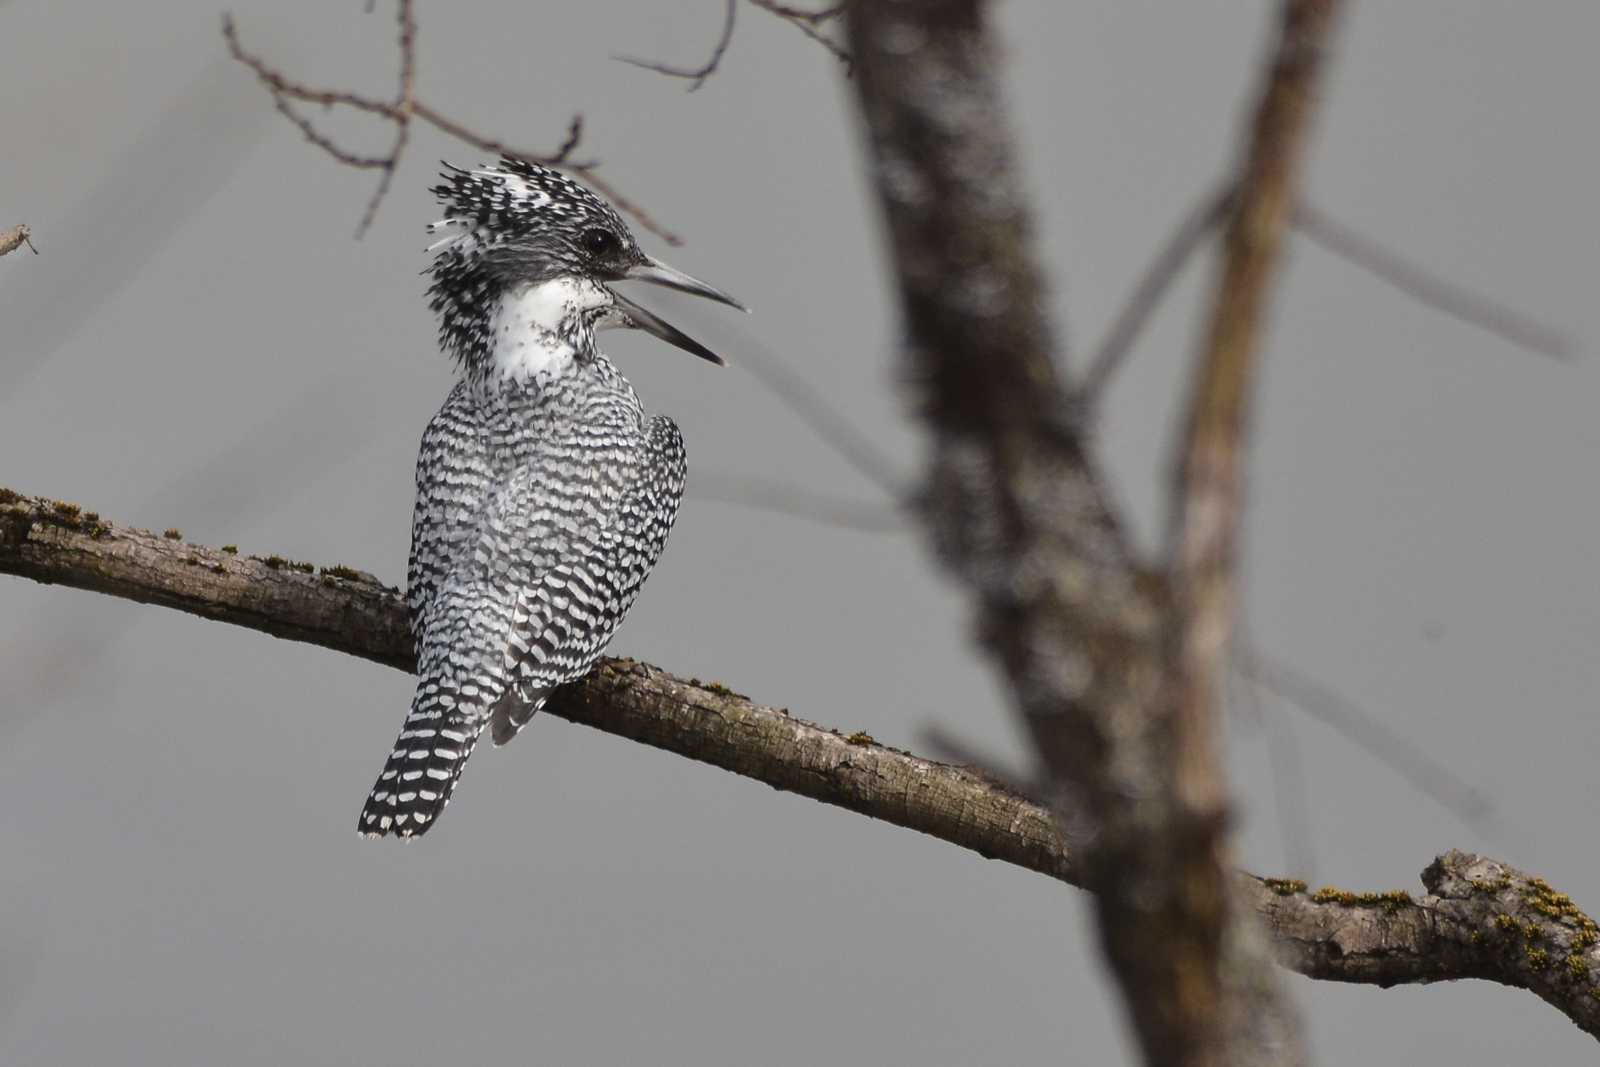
347	610
1480	919
1483	919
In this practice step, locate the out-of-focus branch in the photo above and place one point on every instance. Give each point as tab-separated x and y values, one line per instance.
808	22
1362	727
15	237
797	501
698	75
1201	221
1017	510
1196	913
1208	490
1327	232
401	111
1427	288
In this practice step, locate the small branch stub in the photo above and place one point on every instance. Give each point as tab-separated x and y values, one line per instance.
15	237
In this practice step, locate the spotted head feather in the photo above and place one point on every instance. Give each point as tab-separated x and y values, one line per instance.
514	223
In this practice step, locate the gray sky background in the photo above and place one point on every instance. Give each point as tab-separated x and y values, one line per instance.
201	344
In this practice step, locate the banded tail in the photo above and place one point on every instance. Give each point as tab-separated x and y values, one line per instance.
427	760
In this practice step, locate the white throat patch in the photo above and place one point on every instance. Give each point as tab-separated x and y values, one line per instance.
532	328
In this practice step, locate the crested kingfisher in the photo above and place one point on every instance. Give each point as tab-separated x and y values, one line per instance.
544	492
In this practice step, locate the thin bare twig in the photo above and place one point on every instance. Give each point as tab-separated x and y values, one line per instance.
1290	799
800	14
796	392
1428	288
1379	740
795	501
810	23
404	101
807	22
15	238
697	76
1333	236
1200	223
402	110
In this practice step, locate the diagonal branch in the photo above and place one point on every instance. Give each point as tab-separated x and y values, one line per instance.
810	23
1428	289
1191	233
346	610
1483	919
698	75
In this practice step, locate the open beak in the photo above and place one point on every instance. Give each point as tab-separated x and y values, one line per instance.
635	317
658	273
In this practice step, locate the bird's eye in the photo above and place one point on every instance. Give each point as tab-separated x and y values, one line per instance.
598	242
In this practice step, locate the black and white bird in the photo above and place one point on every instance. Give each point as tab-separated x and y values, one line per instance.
544	492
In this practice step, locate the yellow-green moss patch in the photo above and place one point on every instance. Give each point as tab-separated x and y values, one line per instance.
339	570
1389	900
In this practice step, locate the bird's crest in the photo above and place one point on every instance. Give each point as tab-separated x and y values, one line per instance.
504	222
495	203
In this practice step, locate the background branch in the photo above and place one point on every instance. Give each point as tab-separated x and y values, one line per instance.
401	111
1016	509
1322	229
697	76
1194	916
807	21
1426	287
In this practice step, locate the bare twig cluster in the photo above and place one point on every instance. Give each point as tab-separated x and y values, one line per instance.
809	22
401	111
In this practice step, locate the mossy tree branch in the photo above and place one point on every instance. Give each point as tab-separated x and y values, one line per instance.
350	611
1483	919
